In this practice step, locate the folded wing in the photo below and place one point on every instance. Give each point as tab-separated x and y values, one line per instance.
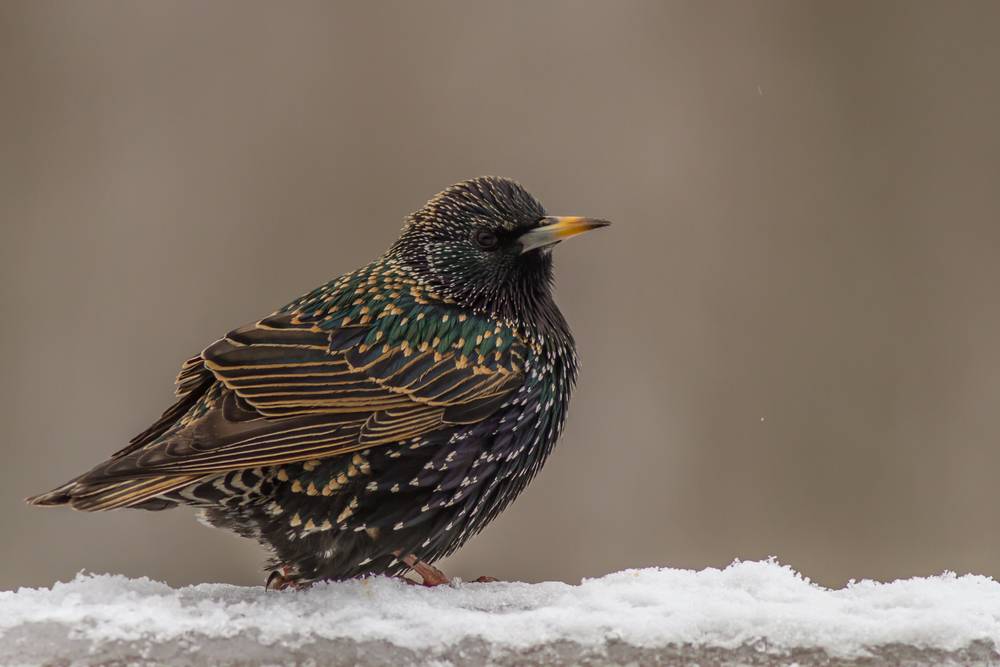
284	390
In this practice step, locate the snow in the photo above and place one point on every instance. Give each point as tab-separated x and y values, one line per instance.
761	604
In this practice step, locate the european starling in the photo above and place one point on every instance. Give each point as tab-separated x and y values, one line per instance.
375	424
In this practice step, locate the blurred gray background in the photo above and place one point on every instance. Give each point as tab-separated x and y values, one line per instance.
789	337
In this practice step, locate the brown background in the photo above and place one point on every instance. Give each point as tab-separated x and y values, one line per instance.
789	337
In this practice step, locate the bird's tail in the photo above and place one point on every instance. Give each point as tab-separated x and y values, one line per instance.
57	496
95	497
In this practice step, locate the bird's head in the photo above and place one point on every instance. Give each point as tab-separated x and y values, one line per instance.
486	243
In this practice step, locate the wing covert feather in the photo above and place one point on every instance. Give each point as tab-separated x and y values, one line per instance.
291	391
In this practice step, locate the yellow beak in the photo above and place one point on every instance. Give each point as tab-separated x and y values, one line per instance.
553	229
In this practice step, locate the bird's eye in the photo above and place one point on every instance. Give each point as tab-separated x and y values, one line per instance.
485	239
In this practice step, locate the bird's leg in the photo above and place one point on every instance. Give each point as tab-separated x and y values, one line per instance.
430	575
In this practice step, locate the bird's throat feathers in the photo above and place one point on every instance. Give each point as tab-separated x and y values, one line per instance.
522	298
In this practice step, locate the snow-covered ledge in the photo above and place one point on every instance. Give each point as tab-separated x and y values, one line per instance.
749	613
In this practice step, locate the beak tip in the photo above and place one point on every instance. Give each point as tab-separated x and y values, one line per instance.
575	222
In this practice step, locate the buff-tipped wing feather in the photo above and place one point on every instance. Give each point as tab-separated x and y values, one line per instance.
284	390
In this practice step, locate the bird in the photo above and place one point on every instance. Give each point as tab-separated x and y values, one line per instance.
376	423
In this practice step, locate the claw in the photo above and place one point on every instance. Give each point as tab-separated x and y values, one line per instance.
281	579
275	582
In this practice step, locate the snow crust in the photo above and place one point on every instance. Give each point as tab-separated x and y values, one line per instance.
748	603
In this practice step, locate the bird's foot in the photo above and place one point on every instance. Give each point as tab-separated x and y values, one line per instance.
431	576
281	579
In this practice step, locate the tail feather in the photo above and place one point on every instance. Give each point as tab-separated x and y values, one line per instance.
57	496
102	496
109	485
